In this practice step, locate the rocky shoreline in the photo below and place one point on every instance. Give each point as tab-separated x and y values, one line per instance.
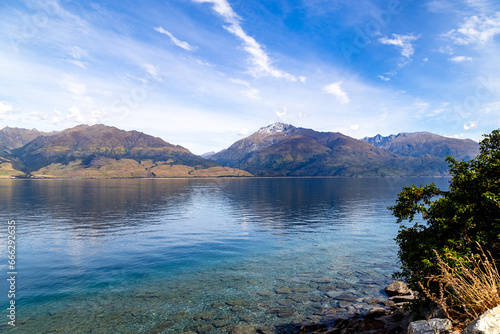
384	317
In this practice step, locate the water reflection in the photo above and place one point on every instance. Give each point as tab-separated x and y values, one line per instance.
106	249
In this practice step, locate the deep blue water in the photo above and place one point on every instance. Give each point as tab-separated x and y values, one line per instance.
195	255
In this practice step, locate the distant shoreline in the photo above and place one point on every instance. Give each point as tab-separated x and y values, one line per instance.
229	177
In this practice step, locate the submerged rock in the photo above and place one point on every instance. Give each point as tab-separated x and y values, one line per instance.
281	312
265	293
377	320
283	290
244	329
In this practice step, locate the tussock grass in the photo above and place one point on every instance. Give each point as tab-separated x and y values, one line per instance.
467	290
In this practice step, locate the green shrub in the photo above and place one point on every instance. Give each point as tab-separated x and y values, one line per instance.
454	220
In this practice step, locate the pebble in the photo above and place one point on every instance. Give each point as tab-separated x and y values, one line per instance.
235	302
332	294
285	302
245	318
297	298
237	308
244	329
324	279
283	290
265	293
318	306
219	323
326	287
301	289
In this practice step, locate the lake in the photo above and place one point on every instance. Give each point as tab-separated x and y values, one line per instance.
196	255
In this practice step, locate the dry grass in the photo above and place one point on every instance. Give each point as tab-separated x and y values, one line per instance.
468	290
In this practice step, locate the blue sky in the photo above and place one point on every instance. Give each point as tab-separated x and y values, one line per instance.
205	73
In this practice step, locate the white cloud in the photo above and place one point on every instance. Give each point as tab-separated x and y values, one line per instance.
40	115
260	61
404	42
77	63
252	93
77	52
5	108
243	132
461	59
422	106
75	115
470	125
97	115
354	127
303	115
73	86
240	82
476	30
448	50
152	70
282	113
179	43
337	91
57	118
489	107
381	77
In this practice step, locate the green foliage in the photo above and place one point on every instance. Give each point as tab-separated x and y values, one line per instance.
453	220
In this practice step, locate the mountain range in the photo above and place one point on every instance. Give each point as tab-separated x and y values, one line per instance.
279	149
99	151
419	143
284	150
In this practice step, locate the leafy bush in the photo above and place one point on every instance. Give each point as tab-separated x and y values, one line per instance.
456	221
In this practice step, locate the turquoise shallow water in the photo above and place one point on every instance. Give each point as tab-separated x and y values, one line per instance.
202	256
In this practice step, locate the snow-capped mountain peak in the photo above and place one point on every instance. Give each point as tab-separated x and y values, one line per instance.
276	127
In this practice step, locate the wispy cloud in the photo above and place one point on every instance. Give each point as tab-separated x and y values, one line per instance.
282	113
57	118
70	84
240	82
40	115
476	30
77	52
5	108
461	59
75	115
153	71
176	41
470	125
403	42
259	59
336	90
77	63
250	92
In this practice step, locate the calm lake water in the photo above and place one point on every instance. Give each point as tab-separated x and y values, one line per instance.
195	255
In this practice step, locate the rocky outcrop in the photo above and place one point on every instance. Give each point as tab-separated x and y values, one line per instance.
377	320
380	319
399	294
431	326
397	288
487	323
